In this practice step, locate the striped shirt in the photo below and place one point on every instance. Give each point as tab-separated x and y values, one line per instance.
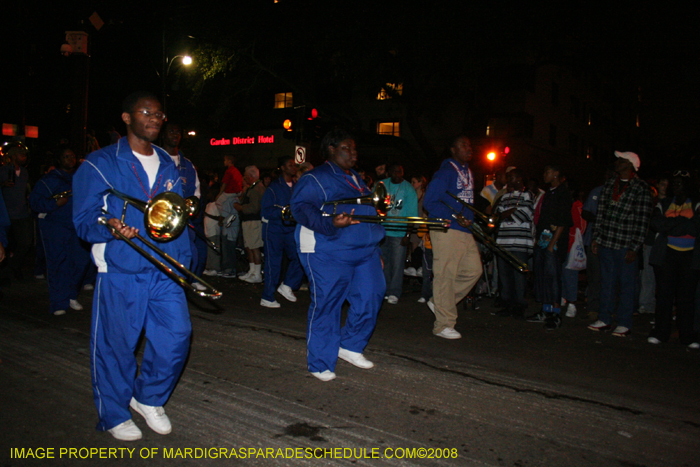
515	233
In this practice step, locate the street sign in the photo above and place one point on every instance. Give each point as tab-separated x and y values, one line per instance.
300	155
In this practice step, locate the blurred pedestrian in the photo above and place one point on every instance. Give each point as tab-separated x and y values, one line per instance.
278	237
623	216
67	258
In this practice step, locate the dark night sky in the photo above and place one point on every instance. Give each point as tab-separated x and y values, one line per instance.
650	46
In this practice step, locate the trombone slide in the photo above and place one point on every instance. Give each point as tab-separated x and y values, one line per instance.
168	271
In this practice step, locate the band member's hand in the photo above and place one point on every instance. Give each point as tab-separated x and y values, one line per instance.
62	201
594	248
461	220
630	256
2	253
344	219
128	232
505	214
8	183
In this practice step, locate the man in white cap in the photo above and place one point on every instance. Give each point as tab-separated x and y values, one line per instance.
624	210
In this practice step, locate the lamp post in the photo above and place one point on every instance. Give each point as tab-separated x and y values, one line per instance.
167	63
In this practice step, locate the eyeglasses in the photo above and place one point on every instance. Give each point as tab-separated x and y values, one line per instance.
147	114
681	173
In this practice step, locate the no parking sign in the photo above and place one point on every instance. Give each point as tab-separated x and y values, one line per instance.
300	155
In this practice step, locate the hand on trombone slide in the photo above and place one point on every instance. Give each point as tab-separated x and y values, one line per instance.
461	220
344	219
125	230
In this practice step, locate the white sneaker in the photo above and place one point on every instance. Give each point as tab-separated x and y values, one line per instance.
422	300
326	375
244	275
155	417
210	272
410	272
59	312
253	279
199	286
694	345
75	305
431	305
88	287
392	300
571	310
419	272
287	292
355	358
653	340
621	331
269	304
127	431
449	333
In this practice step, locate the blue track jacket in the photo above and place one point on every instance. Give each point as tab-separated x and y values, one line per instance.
316	233
277	194
116	167
41	198
454	178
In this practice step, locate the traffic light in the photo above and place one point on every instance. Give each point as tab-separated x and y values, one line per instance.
288	129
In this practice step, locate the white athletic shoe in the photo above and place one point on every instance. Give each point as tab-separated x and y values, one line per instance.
355	358
287	292
127	431
449	333
326	375
155	417
75	305
253	279
269	304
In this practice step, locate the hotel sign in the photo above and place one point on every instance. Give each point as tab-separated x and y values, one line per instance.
239	141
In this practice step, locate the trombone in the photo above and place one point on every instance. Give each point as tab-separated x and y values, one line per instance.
379	198
63	194
165	217
480	235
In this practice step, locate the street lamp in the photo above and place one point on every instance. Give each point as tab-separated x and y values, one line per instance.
186	61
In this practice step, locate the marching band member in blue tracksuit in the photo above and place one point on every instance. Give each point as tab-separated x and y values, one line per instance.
278	237
67	260
172	135
340	257
131	294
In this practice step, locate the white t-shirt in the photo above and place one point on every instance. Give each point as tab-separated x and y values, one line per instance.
150	165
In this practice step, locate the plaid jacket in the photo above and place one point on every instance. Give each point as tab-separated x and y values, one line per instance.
623	223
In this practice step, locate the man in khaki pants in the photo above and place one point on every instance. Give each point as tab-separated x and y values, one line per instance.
456	260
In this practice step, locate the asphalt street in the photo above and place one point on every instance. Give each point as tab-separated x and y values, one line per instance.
509	393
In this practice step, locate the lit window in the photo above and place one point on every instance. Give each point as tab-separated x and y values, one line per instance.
283	100
388	128
488	130
390	90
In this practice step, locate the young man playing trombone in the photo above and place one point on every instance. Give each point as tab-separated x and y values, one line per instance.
131	294
456	261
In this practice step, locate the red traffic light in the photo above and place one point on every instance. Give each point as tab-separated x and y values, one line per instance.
506	150
313	114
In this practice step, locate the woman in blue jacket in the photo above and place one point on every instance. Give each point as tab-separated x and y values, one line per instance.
340	256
